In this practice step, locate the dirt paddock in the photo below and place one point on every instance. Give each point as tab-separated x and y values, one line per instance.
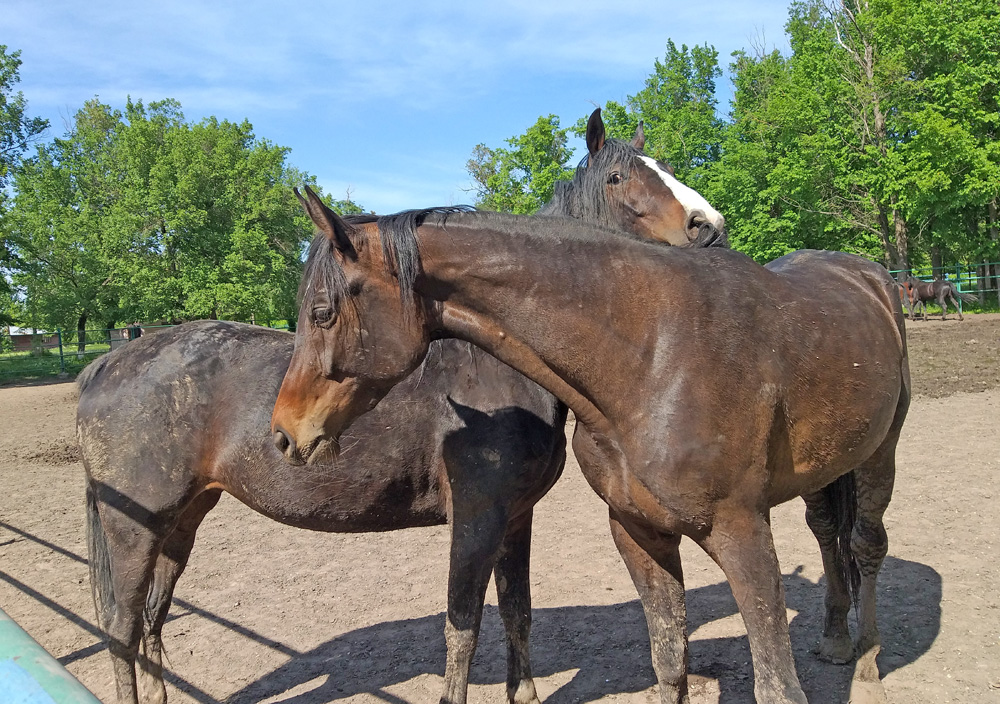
267	613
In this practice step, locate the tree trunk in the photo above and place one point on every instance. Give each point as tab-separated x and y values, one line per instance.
902	237
888	237
81	332
936	265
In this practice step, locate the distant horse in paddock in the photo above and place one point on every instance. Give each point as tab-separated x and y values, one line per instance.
170	421
706	388
938	291
906	296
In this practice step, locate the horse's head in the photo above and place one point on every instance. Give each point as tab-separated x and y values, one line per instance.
620	186
360	330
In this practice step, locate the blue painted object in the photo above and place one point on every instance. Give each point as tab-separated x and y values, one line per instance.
29	675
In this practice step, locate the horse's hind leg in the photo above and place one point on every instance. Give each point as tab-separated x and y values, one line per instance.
943	303
835	645
170	564
477	532
122	552
955	302
654	562
514	599
741	544
869	544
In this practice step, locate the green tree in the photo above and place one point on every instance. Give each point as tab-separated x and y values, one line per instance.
678	108
17	132
951	179
521	179
872	135
63	194
142	215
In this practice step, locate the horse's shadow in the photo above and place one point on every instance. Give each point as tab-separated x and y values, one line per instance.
369	660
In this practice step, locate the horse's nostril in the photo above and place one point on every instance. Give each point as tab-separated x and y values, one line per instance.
282	441
695	219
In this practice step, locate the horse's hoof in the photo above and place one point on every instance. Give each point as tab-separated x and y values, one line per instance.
867	693
525	693
838	650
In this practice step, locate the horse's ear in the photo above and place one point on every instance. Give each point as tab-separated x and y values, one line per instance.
639	140
595	133
329	223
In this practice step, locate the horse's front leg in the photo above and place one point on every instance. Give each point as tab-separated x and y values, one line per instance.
654	562
741	544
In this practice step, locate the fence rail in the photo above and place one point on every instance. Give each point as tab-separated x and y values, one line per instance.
61	353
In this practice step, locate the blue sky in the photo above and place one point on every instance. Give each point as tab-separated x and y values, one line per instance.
385	100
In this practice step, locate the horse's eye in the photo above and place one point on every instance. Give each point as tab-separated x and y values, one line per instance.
322	315
615	178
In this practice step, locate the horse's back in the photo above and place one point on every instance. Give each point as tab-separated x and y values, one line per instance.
167	415
152	411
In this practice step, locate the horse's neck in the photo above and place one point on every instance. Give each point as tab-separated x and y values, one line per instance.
540	306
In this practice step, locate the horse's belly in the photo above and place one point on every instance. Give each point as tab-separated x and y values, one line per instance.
828	446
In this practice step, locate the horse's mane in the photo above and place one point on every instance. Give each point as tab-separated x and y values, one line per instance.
585	198
399	251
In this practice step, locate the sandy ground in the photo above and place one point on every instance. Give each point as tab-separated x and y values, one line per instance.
267	613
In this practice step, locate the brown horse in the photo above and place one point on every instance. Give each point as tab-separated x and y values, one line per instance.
937	291
905	289
707	389
169	422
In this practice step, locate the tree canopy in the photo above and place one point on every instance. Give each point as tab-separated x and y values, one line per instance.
17	132
137	214
875	134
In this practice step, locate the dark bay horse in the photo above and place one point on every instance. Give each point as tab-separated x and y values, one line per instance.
625	190
169	422
707	389
937	291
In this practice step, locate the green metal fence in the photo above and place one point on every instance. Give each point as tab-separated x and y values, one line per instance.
61	353
979	280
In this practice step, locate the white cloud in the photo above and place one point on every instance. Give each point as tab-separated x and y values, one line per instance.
361	86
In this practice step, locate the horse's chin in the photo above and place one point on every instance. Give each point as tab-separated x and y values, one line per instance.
325	451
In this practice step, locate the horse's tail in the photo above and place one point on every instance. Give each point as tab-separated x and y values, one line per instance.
101	586
966	297
842	497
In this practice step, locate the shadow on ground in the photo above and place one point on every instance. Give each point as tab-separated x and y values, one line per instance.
369	660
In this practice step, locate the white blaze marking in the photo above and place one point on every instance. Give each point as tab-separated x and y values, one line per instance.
689	198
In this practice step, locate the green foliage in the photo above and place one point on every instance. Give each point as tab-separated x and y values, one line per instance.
17	132
875	135
522	178
677	106
140	215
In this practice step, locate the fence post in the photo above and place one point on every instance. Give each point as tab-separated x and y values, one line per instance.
62	358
